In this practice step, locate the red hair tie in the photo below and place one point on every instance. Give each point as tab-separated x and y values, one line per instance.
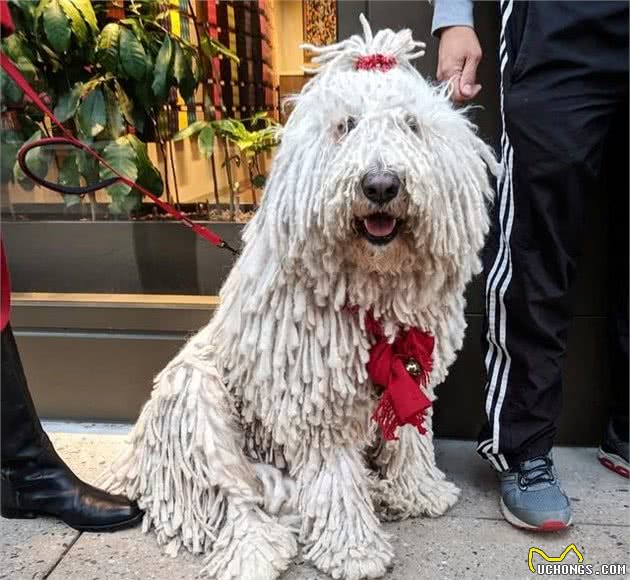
380	62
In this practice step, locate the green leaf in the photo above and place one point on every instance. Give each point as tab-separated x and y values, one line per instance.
182	71
213	48
24	14
88	167
37	162
139	148
92	116
151	179
259	181
143	99
115	122
11	93
125	104
10	143
206	47
14	46
68	103
259	116
189	131
95	82
131	55
77	23
51	57
205	141
108	47
148	176
225	51
161	72
224	126
27	68
125	204
121	156
87	11
39	8
69	175
69	171
138	30
56	27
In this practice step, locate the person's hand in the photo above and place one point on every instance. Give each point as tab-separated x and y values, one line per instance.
458	57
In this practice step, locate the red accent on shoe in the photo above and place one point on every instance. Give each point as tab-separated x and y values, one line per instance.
546	527
618	469
552	526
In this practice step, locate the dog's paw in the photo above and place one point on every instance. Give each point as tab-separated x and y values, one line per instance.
440	496
251	545
395	500
354	560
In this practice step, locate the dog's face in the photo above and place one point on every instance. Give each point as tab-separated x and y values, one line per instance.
378	165
375	206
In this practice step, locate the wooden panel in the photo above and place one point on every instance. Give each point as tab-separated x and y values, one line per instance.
291	84
91	361
98	376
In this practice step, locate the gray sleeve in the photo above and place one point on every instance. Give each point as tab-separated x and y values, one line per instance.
452	13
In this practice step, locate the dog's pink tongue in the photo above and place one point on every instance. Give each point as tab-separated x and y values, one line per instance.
379	225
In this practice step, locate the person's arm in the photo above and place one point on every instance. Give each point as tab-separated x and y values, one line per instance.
447	13
459	50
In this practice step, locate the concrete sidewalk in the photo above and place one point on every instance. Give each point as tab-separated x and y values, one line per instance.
471	542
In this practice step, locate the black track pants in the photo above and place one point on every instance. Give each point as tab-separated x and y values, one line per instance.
564	68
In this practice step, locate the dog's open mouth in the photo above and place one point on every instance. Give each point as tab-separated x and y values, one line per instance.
378	228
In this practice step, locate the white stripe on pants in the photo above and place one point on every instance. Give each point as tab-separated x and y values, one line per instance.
497	359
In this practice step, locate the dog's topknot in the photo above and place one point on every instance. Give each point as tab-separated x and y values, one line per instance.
379	52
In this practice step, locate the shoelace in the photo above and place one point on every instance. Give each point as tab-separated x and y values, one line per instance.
539	470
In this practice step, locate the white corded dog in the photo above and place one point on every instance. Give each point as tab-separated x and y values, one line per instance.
301	412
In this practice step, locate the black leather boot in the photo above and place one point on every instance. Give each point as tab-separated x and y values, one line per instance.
35	481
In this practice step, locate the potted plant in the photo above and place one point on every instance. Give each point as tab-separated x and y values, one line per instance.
110	80
251	144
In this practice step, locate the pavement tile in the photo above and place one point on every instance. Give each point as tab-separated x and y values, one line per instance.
125	555
598	495
471	542
86	454
30	548
440	549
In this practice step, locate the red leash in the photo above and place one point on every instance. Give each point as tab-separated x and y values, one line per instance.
69	139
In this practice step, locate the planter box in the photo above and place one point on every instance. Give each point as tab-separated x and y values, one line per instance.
129	257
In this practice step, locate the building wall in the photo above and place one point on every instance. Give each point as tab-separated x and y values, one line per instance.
95	360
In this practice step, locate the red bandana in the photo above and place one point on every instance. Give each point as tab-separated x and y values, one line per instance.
380	62
402	368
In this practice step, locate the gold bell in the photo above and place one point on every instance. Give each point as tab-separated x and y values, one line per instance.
412	366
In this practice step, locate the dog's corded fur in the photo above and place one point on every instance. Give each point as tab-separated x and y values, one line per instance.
257	435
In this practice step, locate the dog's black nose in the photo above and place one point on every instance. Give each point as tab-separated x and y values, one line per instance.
380	187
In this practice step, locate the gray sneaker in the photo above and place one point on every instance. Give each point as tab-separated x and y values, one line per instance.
613	452
531	496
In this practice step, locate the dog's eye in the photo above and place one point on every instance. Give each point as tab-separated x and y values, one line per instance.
412	123
344	127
